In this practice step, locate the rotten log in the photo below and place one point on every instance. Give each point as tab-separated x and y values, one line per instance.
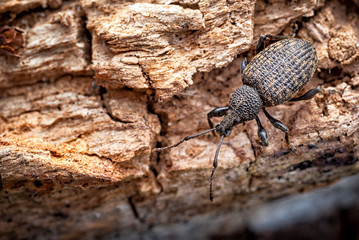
99	84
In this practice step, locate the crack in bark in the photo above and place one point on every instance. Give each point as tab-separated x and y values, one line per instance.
134	210
96	155
21	113
87	35
145	75
155	163
321	139
62	119
2	117
108	111
116	119
251	176
193	6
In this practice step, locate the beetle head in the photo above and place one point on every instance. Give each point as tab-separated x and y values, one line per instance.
223	130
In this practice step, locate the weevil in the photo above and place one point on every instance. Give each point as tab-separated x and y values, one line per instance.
275	75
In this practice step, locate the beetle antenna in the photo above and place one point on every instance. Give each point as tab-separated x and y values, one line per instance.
214	169
184	139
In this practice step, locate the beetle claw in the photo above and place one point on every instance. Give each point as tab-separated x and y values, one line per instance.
293	149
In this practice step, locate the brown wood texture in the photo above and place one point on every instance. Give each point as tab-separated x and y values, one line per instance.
99	84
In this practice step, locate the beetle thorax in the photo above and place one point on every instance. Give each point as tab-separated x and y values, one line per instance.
244	105
246	102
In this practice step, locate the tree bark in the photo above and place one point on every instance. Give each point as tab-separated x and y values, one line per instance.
97	85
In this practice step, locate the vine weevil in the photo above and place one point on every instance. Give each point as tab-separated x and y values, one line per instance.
275	75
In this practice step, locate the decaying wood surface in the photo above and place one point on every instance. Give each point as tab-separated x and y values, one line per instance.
160	45
329	212
97	85
55	44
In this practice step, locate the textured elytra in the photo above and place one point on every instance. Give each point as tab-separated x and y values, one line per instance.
281	70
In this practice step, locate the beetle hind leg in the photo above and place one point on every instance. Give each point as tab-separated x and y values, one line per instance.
263	37
278	124
243	64
308	95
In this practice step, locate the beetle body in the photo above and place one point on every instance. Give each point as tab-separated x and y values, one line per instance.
281	70
275	75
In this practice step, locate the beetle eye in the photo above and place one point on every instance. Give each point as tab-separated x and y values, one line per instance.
228	132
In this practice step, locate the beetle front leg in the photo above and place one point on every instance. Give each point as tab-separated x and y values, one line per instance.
262	133
263	37
278	124
217	112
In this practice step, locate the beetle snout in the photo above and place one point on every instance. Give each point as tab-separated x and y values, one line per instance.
222	131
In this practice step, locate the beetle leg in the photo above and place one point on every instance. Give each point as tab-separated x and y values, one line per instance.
263	37
217	112
308	95
262	133
243	64
278	124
